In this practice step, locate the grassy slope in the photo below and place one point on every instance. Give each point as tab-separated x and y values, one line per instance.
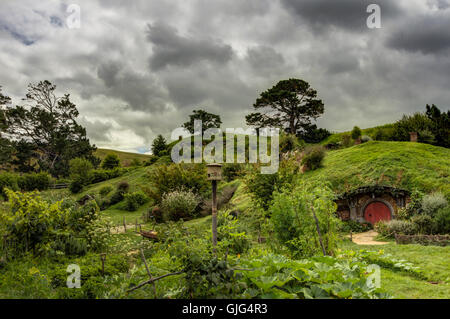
400	164
337	137
125	157
432	260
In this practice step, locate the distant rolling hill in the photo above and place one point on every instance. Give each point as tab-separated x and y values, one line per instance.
125	157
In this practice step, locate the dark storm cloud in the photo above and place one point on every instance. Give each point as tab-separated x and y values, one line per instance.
132	80
350	15
169	48
428	34
264	57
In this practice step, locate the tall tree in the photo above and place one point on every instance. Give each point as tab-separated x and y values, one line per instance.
209	120
5	144
48	123
159	145
440	125
291	105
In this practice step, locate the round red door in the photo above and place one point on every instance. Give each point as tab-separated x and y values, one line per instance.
377	211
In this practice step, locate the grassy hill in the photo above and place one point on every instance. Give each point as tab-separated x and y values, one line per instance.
399	164
337	137
125	157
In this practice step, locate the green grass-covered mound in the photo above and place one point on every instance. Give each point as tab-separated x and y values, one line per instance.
398	164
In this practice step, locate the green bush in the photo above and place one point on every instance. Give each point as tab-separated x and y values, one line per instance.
105	190
80	169
293	214
261	186
100	175
119	194
433	202
34	181
230	235
231	171
441	221
423	223
32	224
313	158
8	180
179	204
356	133
111	161
354	226
388	229
365	139
151	160
76	186
414	123
134	200
288	143
346	140
169	178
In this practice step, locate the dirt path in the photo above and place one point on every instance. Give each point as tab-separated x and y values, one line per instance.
367	238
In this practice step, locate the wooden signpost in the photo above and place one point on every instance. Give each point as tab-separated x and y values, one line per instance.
214	174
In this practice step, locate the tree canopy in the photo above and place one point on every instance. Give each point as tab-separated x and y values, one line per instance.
291	105
209	120
47	126
159	145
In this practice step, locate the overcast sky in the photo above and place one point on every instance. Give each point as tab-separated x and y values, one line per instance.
138	68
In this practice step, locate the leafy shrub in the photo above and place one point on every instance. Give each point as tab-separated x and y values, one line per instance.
433	202
111	161
314	135
100	175
179	204
76	186
135	162
414	123
261	186
354	226
346	140
288	143
8	180
151	160
229	236
173	177
365	139
134	200
423	223
294	213
105	190
123	187
276	276
34	181
31	224
80	169
388	229
313	157
426	136
231	171
356	133
206	276
441	222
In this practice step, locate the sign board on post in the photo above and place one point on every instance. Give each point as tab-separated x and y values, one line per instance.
214	172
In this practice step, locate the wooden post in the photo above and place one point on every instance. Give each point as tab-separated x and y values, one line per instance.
135	228
124	225
214	215
103	258
351	237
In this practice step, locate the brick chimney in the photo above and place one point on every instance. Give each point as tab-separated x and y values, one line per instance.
413	136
